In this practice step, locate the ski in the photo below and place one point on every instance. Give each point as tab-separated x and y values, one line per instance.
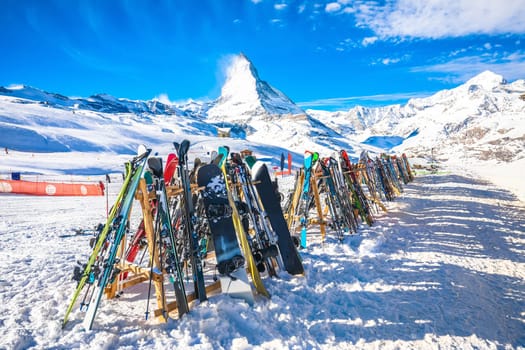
189	220
87	276
171	165
308	161
166	237
119	225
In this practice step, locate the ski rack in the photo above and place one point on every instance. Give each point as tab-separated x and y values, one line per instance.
322	211
293	219
130	274
360	171
138	274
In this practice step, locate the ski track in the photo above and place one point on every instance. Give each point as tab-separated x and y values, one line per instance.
444	268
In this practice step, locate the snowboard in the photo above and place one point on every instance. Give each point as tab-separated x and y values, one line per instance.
239	228
272	206
230	262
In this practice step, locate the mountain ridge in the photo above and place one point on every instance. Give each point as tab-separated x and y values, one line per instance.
482	116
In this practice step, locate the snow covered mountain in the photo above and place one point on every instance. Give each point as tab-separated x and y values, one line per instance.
244	95
482	119
99	102
35	120
32	120
255	109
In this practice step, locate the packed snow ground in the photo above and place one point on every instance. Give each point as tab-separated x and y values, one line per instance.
444	268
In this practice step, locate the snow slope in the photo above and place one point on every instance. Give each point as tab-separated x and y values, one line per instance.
445	268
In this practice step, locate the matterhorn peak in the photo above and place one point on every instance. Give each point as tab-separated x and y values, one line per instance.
487	80
241	79
245	95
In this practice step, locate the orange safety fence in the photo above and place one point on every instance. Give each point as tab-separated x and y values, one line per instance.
39	188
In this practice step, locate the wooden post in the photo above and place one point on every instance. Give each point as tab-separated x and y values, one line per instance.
150	236
317	199
290	218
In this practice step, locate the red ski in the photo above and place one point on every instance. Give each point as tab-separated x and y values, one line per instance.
171	165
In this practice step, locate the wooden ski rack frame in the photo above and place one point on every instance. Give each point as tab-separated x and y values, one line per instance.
137	274
322	211
292	218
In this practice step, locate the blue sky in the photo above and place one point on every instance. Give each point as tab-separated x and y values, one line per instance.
322	54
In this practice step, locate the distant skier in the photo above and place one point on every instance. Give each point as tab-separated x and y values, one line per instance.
6	151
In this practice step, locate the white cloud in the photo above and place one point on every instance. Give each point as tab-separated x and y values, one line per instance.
347	102
163	98
510	65
369	40
332	7
442	18
388	61
301	8
280	7
345	44
256	1
458	52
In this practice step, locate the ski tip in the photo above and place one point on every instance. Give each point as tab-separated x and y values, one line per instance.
224	149
258	166
141	150
155	165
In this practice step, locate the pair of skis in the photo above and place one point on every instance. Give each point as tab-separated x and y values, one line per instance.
165	237
100	270
309	160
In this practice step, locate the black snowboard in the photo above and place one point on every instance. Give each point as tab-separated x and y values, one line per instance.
230	262
272	206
